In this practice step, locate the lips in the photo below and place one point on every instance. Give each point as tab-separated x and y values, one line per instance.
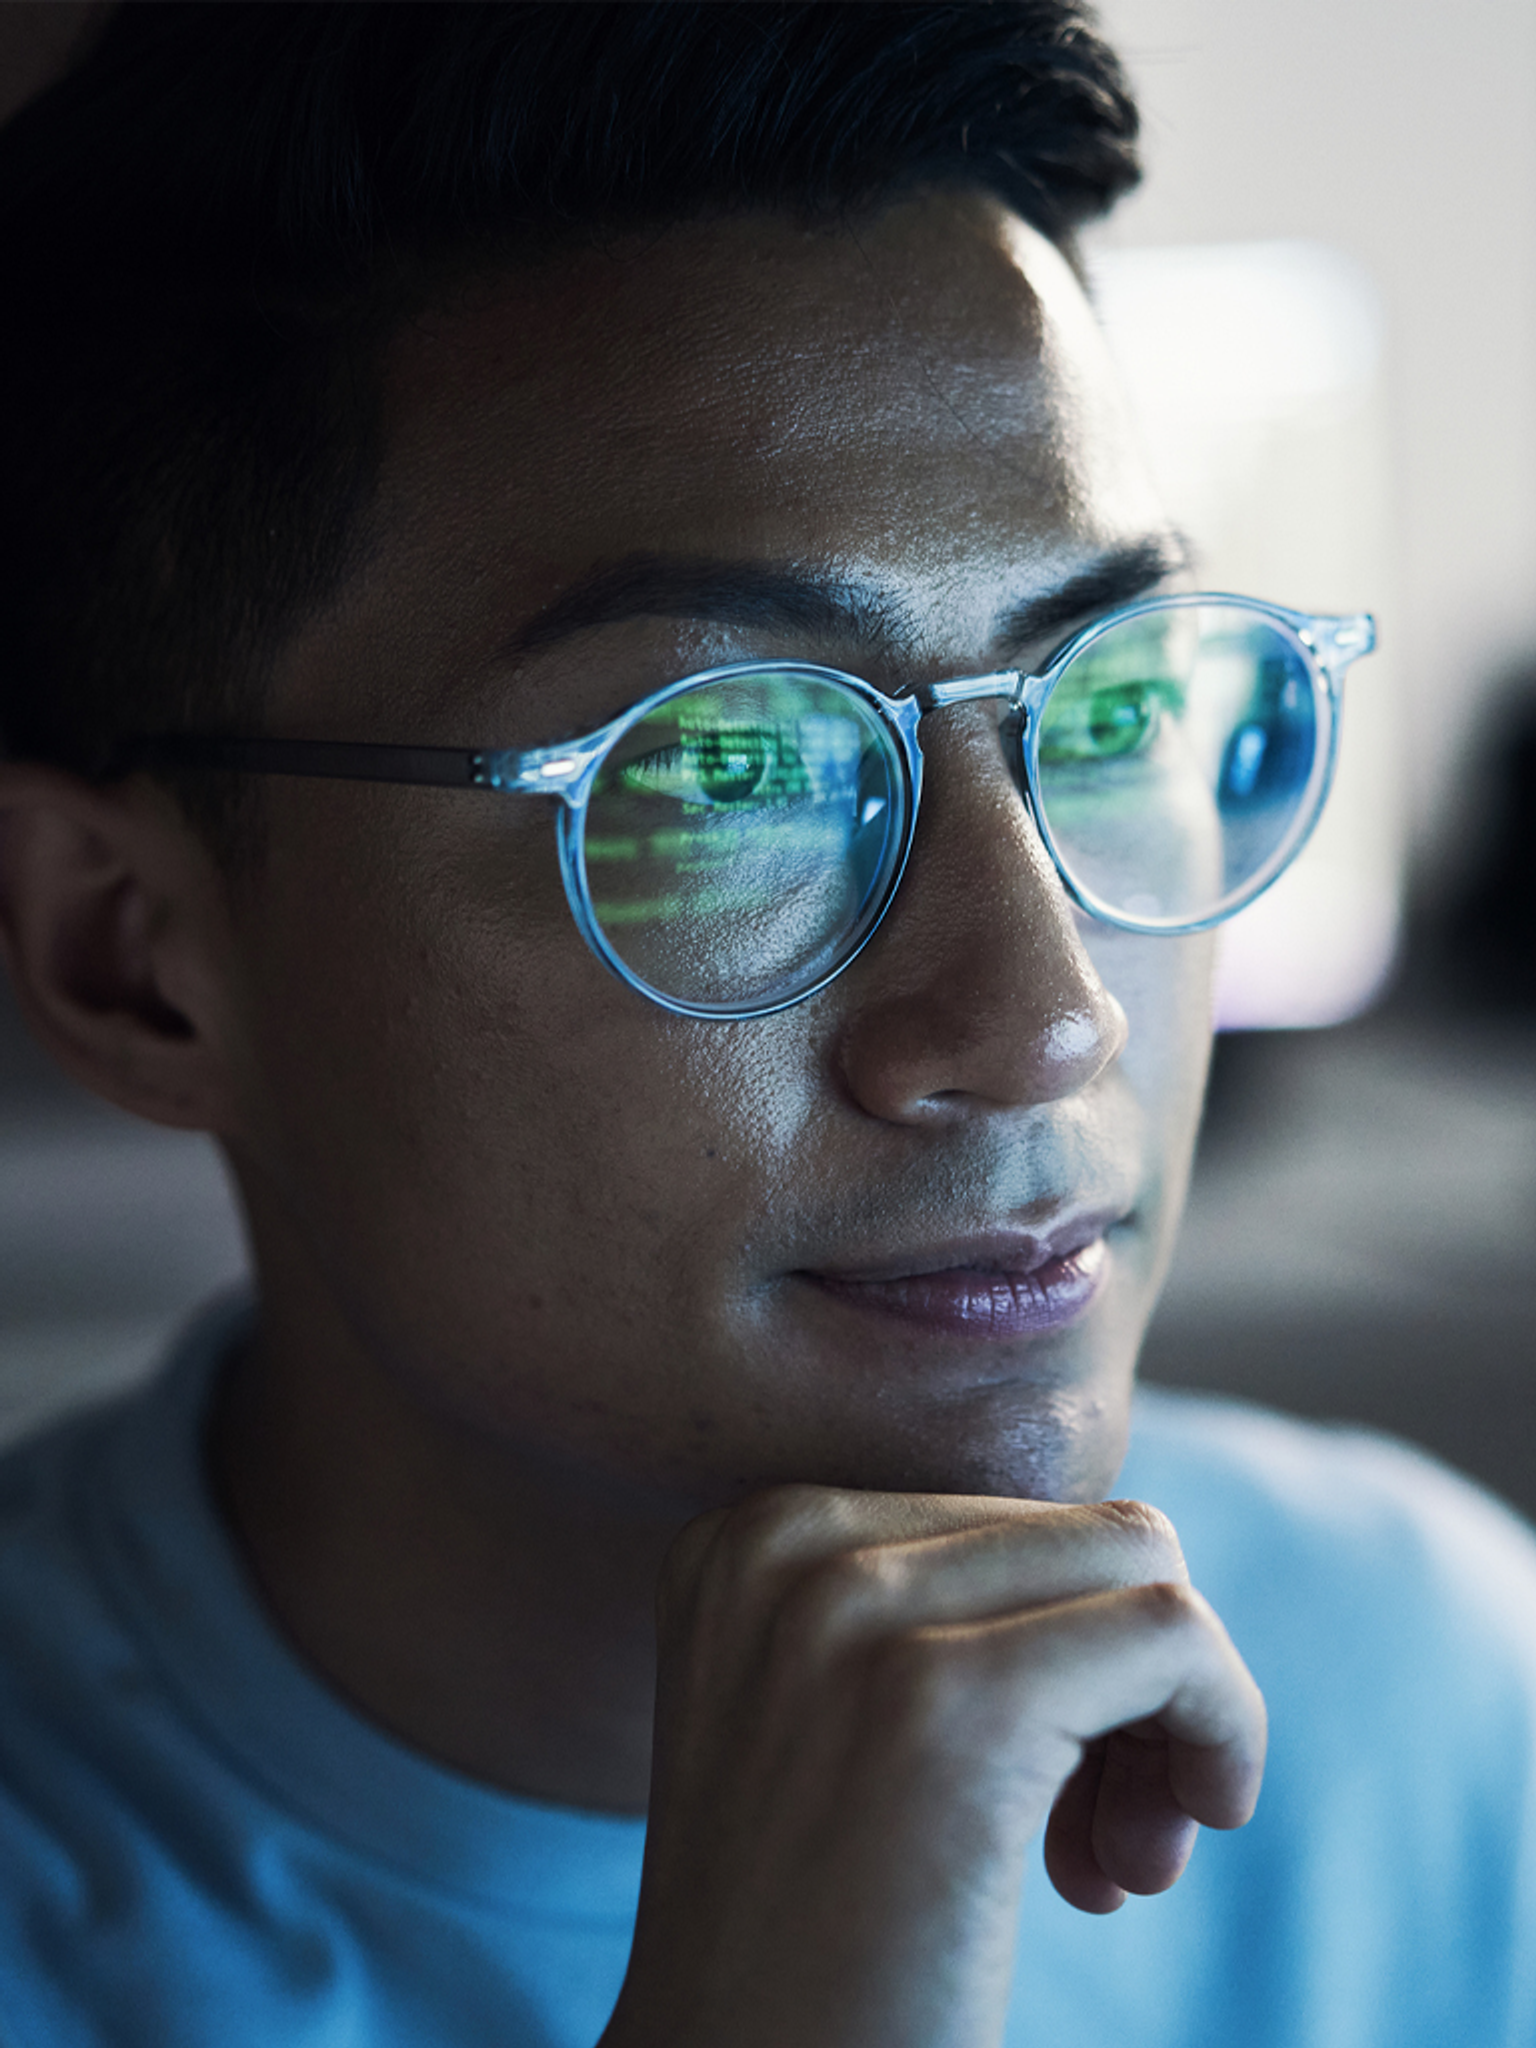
995	1287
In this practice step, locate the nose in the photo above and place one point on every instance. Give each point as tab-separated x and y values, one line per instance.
977	993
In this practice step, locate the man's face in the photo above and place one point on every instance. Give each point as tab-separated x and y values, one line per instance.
903	1235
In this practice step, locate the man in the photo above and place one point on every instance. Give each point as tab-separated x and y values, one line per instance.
491	495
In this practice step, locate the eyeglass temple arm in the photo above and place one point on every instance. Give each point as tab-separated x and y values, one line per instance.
541	771
546	770
555	771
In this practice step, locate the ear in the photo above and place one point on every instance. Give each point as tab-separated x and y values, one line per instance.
116	927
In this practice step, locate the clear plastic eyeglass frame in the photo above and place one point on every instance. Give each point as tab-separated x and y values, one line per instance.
1328	645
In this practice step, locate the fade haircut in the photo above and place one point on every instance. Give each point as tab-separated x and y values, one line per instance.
215	220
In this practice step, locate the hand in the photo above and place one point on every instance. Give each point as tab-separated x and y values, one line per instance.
867	1703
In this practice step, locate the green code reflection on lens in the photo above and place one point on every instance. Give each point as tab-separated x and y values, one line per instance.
738	833
1176	752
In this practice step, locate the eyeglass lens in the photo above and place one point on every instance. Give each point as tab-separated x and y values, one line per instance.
741	837
1178	760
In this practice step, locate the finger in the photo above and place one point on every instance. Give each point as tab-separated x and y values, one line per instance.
1219	1782
1079	1669
864	1563
1039	1552
1070	1859
1141	1836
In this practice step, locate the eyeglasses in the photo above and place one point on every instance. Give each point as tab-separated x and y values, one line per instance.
731	842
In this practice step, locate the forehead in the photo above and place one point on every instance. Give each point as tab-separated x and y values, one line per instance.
918	402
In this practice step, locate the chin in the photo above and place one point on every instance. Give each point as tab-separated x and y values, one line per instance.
1032	1445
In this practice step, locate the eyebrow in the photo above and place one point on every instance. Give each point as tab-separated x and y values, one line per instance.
780	598
1116	577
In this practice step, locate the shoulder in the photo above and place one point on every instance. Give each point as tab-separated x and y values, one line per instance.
59	1512
49	1587
1385	1892
1248	1477
90	1509
1329	1545
1387	1608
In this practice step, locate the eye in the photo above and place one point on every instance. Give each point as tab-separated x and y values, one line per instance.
718	765
1112	722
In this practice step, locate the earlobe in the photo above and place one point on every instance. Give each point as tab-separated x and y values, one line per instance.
110	916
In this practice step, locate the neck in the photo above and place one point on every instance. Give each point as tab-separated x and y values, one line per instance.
491	1611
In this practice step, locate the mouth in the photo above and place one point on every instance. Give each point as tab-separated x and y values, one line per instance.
995	1287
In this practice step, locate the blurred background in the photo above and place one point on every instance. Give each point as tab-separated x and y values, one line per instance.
1324	303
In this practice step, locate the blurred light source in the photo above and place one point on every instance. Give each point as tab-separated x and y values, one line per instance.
1254	371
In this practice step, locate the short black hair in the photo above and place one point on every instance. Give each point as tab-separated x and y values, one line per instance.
212	222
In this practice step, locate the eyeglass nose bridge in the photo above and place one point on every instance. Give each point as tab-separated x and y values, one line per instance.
1024	696
1007	682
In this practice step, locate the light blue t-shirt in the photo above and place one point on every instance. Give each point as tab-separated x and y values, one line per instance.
201	1846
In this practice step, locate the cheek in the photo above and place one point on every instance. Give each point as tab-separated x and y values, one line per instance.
549	1160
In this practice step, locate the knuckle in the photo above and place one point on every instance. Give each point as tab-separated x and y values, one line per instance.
1171	1605
752	1541
781	1555
782	1524
832	1599
1146	1533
